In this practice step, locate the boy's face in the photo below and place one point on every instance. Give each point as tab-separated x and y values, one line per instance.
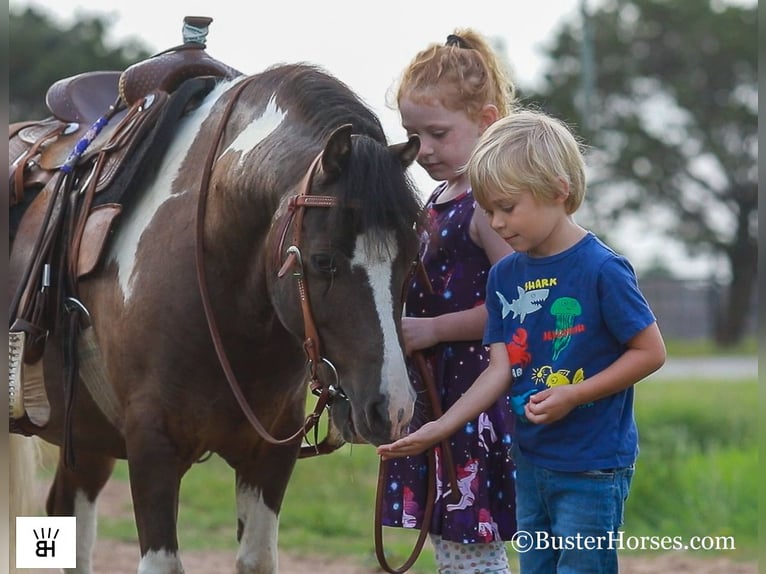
528	224
446	137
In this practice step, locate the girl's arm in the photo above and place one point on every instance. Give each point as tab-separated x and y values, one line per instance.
487	238
485	390
468	325
424	332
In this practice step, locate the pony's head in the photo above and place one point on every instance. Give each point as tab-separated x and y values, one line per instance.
347	242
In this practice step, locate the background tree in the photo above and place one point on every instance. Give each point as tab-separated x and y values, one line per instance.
42	51
668	106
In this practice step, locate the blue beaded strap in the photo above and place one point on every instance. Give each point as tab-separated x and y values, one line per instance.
87	138
84	142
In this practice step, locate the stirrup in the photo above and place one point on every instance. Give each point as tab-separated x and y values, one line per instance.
26	385
16	342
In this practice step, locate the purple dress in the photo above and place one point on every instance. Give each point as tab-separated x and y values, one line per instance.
483	509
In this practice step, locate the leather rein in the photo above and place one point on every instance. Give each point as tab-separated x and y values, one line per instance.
296	208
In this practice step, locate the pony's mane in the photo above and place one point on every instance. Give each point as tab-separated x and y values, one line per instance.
380	193
322	101
383	196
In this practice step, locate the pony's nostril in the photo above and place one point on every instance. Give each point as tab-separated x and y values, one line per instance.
378	417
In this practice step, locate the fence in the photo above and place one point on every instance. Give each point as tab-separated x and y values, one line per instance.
687	309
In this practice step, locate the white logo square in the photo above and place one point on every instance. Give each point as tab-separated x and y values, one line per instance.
46	542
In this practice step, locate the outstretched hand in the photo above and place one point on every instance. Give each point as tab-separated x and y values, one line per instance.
413	443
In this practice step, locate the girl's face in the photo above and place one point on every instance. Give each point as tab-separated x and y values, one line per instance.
446	137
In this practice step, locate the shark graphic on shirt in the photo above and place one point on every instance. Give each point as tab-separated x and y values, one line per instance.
527	302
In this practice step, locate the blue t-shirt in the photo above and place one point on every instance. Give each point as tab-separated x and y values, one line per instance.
563	319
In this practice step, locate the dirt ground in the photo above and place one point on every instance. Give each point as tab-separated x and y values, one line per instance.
112	557
119	558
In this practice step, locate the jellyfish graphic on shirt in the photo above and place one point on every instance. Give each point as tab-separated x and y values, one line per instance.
564	309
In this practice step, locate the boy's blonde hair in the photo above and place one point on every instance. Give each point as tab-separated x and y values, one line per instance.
462	75
528	151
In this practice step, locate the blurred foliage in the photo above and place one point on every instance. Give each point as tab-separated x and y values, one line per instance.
664	95
42	50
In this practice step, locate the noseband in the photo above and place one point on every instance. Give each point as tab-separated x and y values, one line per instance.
295	211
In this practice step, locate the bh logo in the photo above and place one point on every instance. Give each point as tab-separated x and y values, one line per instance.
46	542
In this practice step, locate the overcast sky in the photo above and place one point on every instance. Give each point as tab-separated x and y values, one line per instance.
364	44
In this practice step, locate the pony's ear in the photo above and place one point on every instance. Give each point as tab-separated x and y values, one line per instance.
336	152
408	151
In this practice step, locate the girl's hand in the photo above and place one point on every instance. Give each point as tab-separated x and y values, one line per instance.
413	443
419	333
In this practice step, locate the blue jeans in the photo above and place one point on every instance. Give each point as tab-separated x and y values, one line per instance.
568	519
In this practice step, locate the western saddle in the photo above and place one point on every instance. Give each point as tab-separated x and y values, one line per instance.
69	177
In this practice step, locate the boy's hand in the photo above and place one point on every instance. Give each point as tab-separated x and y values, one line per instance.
413	443
550	405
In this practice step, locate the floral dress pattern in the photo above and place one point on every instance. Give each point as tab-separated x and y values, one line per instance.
483	508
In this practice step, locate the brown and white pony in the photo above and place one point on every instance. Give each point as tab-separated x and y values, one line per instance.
169	401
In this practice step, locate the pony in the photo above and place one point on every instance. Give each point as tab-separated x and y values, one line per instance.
264	252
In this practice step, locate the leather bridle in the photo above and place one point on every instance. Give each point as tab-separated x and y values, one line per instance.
295	211
296	208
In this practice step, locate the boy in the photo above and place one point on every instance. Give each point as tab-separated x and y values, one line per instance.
571	333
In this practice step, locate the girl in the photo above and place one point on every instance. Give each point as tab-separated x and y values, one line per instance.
448	95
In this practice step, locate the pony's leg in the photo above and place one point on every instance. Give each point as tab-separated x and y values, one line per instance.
155	478
74	493
259	499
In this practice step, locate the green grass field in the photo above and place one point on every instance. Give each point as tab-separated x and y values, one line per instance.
707	348
696	475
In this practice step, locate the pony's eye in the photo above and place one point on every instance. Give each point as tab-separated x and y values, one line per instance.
324	263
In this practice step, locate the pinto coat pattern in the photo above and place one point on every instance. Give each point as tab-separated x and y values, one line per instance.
172	402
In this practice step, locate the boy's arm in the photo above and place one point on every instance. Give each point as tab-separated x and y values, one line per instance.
644	355
485	390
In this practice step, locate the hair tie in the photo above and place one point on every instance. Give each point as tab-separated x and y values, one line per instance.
455	40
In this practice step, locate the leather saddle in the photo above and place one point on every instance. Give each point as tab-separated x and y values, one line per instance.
37	149
70	174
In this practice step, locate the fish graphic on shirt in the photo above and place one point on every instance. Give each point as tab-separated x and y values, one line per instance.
527	302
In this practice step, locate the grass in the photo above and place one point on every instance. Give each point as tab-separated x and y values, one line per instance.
707	348
697	474
328	510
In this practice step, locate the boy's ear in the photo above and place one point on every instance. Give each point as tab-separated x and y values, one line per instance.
563	190
488	115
